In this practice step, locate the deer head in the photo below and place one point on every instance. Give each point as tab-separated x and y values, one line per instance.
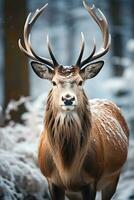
67	80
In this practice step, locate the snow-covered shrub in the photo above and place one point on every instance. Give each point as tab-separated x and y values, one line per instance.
20	177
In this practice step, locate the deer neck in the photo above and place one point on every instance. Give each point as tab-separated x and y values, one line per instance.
68	132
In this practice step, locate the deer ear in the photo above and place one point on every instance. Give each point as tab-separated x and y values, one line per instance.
42	70
91	70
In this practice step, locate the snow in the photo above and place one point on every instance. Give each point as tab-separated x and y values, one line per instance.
121	90
130	45
20	177
112	127
125	188
13	105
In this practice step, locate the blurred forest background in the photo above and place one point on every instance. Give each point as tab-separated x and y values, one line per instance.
64	20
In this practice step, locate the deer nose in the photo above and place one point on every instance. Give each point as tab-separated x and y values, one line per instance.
68	100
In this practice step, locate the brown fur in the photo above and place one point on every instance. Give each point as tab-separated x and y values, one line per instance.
88	146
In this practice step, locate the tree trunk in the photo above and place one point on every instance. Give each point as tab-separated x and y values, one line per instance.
117	40
16	70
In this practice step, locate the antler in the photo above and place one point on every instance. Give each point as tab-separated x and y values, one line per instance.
103	25
27	42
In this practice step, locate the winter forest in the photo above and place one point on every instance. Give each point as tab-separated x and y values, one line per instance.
23	95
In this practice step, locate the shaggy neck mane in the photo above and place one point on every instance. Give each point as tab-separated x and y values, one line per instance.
68	132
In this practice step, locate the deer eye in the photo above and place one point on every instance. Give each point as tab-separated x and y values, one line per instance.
54	83
80	83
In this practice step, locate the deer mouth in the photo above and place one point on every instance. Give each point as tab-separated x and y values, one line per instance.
68	107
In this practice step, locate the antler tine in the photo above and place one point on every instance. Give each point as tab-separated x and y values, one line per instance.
27	30
88	59
51	53
26	50
102	22
47	61
81	51
37	14
103	25
26	34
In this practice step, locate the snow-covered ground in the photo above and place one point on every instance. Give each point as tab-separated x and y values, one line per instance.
20	177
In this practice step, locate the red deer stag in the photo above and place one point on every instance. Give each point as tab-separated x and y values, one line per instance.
84	142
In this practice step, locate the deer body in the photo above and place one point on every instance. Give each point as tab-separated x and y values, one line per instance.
96	160
84	143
